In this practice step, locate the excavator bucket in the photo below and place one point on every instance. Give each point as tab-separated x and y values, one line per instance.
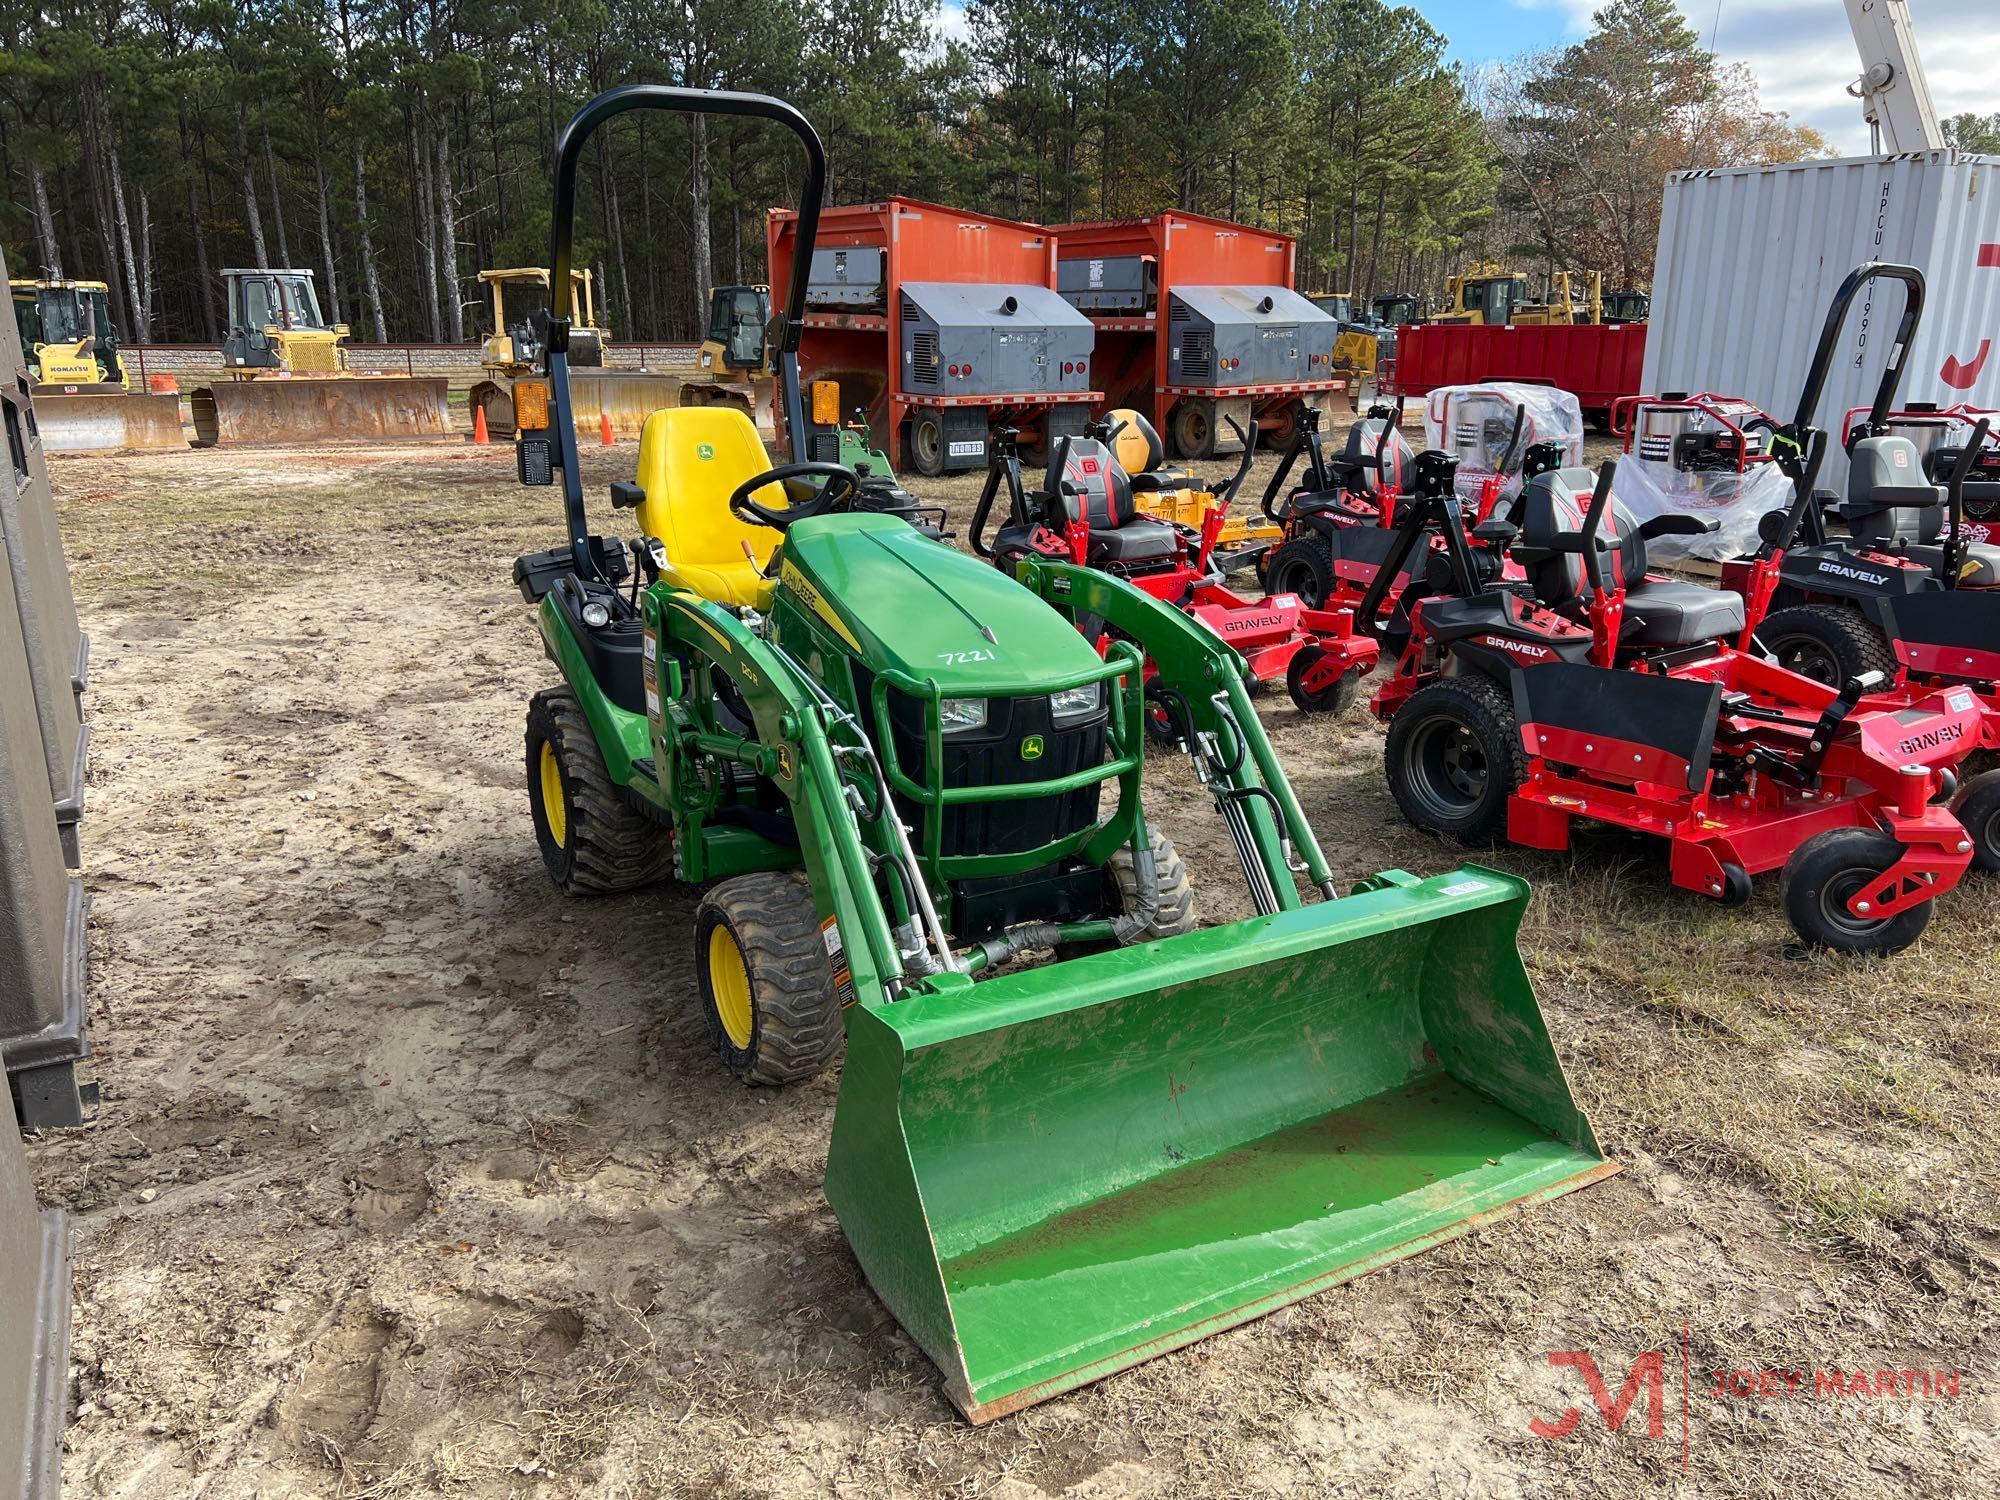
106	420
1060	1172
321	409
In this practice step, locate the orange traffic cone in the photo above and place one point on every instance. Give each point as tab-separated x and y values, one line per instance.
604	428
479	433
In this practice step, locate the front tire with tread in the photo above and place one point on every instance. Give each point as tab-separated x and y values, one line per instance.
1977	806
1825	872
793	1027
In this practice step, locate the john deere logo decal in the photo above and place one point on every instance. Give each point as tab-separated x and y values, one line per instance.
704	451
1031	747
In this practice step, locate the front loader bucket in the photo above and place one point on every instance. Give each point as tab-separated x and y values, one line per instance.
1057	1173
321	409
106	420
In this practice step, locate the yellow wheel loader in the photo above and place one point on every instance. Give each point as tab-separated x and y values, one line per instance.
294	381
518	344
82	389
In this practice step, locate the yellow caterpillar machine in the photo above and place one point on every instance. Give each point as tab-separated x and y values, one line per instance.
293	379
1487	293
1574	297
517	347
82	390
734	364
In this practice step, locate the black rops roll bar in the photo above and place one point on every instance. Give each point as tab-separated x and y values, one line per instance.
1836	321
569	154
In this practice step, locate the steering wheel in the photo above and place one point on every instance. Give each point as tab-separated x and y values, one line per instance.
842	483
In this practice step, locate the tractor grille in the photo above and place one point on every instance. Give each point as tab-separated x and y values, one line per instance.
312	356
992	757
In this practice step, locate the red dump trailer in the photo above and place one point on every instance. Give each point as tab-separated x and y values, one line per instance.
1197	323
1596	362
941	324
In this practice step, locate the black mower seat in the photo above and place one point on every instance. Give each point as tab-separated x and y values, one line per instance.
1097	490
1672	613
1658	611
1140	453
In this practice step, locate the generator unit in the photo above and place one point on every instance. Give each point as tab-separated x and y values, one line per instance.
1114	284
854	279
972	339
1230	336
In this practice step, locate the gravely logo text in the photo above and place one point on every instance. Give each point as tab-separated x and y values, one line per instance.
1518	648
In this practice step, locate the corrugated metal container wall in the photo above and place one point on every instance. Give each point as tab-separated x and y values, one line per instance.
1750	257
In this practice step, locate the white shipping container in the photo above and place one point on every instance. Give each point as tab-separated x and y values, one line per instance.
1750	258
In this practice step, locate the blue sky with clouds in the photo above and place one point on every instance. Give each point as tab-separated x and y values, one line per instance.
1800	50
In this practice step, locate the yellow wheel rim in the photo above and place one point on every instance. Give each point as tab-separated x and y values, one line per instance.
555	812
729	983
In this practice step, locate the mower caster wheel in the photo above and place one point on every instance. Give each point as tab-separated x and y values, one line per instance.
1977	806
767	990
1735	886
1823	875
1829	643
1302	566
1334	699
592	841
1454	757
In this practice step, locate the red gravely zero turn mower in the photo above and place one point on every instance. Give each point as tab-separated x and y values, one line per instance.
1084	513
1594	690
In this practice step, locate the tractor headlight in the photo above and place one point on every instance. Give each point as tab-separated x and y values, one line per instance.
1076	703
962	715
595	615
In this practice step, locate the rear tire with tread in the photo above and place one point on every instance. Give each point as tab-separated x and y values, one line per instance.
1454	757
1977	806
605	845
1302	566
1829	643
793	1028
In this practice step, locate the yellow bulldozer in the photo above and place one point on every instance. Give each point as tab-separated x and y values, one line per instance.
1487	293
82	390
293	381
1574	297
733	366
517	348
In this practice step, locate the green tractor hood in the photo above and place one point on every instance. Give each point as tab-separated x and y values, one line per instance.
904	603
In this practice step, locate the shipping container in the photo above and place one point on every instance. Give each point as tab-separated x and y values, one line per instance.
1598	363
940	325
1749	259
1197	324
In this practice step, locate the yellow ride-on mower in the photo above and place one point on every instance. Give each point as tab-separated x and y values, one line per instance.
1171	493
902	795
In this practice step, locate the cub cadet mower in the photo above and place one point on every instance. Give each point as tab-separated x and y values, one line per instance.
1599	691
1173	494
1085	513
880	763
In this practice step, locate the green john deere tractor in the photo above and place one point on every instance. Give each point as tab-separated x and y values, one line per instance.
1074	1130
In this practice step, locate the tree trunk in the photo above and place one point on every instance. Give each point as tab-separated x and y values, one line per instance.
698	188
103	210
329	262
141	326
448	232
203	291
277	201
259	256
426	228
648	247
45	219
369	279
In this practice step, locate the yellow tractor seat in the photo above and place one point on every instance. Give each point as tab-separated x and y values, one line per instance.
1141	454
691	459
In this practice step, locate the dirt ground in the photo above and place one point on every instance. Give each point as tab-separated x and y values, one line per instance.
413	1177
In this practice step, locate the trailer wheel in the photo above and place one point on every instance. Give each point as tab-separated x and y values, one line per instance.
1194	428
767	991
927	443
1454	757
1977	806
592	843
1302	566
1276	426
1823	875
1829	643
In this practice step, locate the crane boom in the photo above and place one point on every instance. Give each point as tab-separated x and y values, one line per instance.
1894	97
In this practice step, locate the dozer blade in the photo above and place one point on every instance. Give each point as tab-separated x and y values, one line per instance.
105	419
630	396
321	409
1058	1173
